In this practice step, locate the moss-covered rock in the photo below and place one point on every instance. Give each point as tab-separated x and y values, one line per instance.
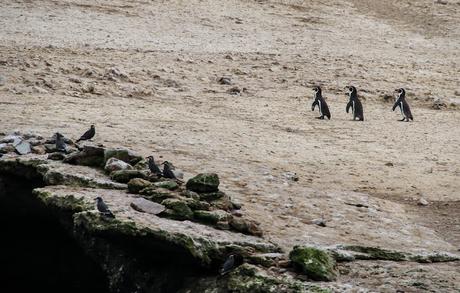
142	165
91	155
122	154
212	196
223	203
171	185
156	194
197	204
211	217
377	253
124	176
114	164
316	264
177	209
205	182
137	184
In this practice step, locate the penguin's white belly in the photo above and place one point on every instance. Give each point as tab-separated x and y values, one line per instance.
320	108
402	109
353	108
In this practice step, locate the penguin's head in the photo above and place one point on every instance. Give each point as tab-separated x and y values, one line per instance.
351	89
150	158
317	89
58	135
92	126
401	92
98	199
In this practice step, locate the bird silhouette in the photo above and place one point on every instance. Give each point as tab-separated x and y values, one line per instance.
103	208
88	134
153	166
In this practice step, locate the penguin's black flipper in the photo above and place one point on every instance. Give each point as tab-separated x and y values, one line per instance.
326	110
350	104
398	103
314	105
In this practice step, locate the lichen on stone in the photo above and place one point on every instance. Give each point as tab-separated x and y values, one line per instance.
314	263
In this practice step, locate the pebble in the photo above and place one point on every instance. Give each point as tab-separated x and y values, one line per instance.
422	202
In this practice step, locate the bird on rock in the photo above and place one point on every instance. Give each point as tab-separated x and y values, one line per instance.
230	263
153	166
167	170
60	144
103	208
88	134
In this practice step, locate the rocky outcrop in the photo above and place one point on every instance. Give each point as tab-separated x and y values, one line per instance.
314	263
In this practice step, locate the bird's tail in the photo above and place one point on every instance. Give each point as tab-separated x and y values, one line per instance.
109	214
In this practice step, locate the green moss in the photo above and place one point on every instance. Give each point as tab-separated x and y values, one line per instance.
315	263
178	210
123	176
211	217
137	184
248	278
170	185
68	202
156	194
378	253
205	182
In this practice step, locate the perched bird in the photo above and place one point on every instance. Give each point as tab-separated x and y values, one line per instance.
355	104
403	105
322	105
153	167
230	263
167	170
60	144
88	134
103	208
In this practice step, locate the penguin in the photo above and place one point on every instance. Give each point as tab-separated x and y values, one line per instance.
167	170
321	102
355	104
403	105
88	134
103	208
153	166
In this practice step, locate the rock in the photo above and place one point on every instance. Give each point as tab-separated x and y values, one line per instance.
114	164
178	209
236	205
197	204
211	217
205	182
124	176
14	139
319	222
225	80
122	154
146	206
223	203
212	196
245	226
52	140
191	194
6	148
234	91
178	173
56	156
156	194
291	176
2	80
439	104
91	155
23	147
39	150
141	165
35	142
39	90
171	185
316	264
137	184
422	202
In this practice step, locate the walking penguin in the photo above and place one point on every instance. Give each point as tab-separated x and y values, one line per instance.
355	104
403	105
322	105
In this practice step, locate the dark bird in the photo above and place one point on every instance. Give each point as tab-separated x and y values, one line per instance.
167	170
103	208
322	105
153	166
88	134
355	104
60	144
403	105
230	263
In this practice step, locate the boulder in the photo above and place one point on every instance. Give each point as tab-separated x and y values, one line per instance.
211	217
141	165
223	203
122	154
11	139
114	164
156	194
210	196
137	184
39	150
56	156
146	206
171	185
197	204
205	182
22	147
245	226
316	264
91	155
177	209
123	176
6	148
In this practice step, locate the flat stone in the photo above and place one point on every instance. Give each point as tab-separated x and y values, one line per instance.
114	164
23	147
147	206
